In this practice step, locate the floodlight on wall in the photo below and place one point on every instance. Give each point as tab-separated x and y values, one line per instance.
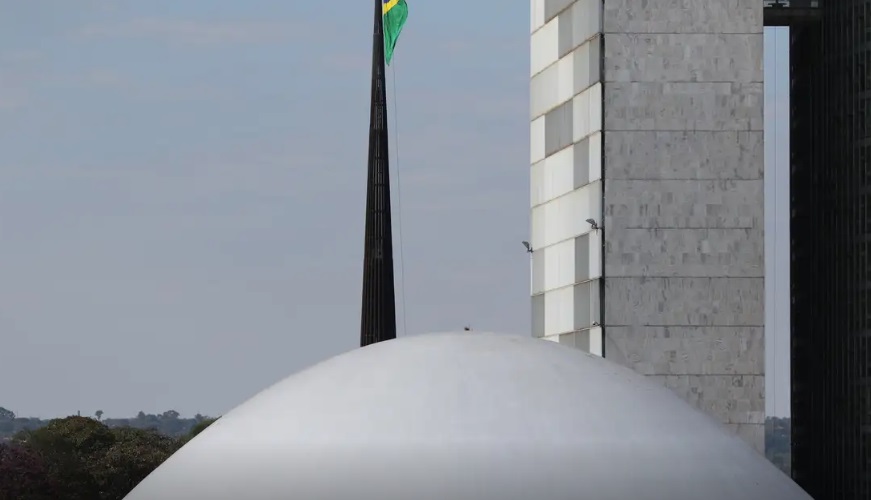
593	224
528	246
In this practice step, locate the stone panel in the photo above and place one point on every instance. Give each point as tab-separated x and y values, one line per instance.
542	91
663	57
586	20
588	340
677	350
685	155
553	7
683	16
568	339
684	301
583	340
733	399
686	252
581	163
682	204
558	128
586	65
683	106
587	112
538	271
538	315
566	40
544	47
585	297
582	258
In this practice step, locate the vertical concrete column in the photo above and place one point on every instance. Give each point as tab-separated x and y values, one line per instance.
566	172
683	200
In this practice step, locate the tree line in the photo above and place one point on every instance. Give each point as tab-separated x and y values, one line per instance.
169	423
778	443
84	458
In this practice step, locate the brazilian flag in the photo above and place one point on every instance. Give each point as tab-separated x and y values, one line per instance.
395	13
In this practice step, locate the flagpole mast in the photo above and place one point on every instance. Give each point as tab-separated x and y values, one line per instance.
378	316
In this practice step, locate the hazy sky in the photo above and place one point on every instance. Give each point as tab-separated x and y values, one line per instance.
182	185
777	220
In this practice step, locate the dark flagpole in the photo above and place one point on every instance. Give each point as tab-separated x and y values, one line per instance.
378	318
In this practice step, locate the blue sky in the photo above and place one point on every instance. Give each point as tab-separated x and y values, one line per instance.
181	191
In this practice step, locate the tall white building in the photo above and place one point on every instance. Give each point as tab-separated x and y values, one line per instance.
647	192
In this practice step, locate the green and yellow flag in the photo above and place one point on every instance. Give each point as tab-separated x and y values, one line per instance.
395	13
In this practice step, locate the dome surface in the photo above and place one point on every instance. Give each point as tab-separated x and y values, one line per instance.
466	416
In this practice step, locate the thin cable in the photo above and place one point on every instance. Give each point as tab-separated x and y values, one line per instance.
399	202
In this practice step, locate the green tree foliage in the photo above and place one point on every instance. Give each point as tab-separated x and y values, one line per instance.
168	422
87	459
7	421
6	414
69	446
24	475
133	455
80	435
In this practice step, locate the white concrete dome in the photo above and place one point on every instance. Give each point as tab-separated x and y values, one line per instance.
466	416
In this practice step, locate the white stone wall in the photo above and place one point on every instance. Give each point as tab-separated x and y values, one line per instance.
566	188
647	117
